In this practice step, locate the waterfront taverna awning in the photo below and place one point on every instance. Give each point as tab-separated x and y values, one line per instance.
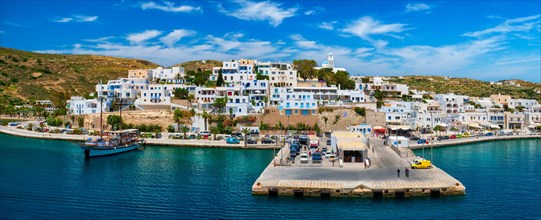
378	128
441	125
400	127
474	125
533	125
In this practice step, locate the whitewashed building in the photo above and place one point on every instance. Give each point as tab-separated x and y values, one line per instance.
256	90
451	103
525	103
173	75
293	103
280	74
235	71
79	106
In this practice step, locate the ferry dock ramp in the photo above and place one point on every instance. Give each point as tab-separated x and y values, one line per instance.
351	176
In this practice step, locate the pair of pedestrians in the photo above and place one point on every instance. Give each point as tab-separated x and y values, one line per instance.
406	171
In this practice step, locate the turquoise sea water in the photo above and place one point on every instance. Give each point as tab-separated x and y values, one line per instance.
51	179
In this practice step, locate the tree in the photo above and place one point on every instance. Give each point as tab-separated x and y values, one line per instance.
342	78
260	76
214	131
205	115
184	130
365	80
170	128
305	68
245	131
220	80
325	119
181	93
360	111
316	128
439	128
190	98
114	121
219	104
177	116
201	78
325	74
81	122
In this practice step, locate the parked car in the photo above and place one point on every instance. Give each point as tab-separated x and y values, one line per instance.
237	134
466	134
251	141
414	138
304	140
316	157
421	164
304	157
267	141
329	142
452	137
14	123
440	138
459	136
159	135
204	133
489	134
421	141
327	154
232	140
192	136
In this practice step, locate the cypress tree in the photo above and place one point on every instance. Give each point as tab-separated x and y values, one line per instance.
220	80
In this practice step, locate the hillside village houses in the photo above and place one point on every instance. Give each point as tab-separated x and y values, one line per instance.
152	88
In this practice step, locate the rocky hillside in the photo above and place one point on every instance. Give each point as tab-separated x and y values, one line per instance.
471	87
26	76
199	65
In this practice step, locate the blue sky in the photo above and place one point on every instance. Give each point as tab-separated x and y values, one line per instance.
487	40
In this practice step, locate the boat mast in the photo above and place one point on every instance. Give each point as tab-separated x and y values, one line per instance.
101	117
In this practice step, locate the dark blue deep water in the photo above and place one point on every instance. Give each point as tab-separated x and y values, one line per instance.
51	179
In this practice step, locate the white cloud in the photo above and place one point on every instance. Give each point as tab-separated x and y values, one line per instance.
101	39
169	7
366	27
85	18
63	20
76	18
260	11
143	36
303	43
478	58
417	7
524	24
310	12
175	36
12	24
327	25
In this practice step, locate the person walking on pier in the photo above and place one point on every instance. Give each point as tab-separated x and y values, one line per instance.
398	172
407	172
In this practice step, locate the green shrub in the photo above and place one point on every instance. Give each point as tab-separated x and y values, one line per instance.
360	111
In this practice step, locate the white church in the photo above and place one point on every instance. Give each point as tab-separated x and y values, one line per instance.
329	63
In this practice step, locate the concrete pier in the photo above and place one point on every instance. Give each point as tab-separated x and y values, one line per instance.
355	179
